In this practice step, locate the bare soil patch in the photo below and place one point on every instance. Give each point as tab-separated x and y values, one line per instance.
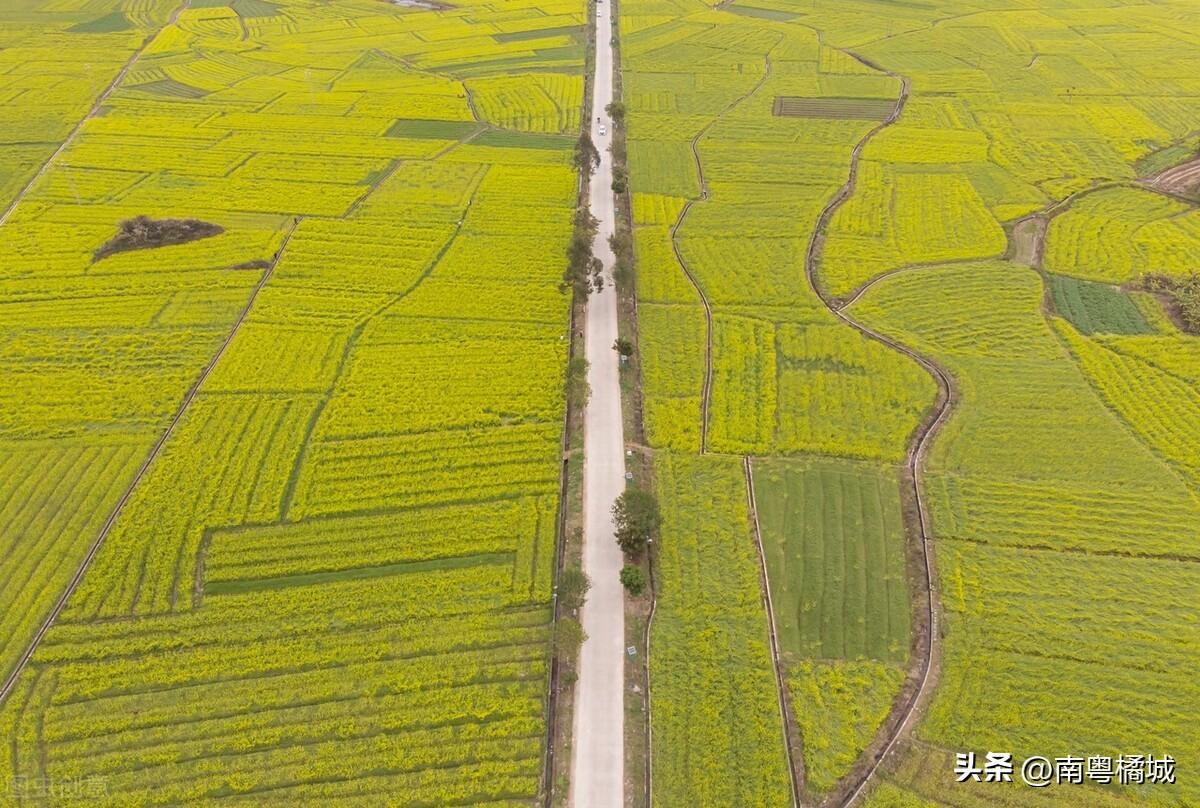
143	233
425	5
857	109
257	263
1182	179
1026	240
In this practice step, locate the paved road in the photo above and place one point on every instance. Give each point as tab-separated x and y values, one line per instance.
598	765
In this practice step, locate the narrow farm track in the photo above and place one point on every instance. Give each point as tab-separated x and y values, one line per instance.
192	392
791	740
706	389
646	662
905	713
553	685
16	200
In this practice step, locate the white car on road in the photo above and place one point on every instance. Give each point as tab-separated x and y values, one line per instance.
603	130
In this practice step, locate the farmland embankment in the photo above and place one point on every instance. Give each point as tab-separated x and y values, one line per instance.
926	640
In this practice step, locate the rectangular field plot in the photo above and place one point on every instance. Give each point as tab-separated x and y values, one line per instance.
426	681
763	13
833	539
854	109
434	130
1097	307
716	724
833	536
575	32
361	545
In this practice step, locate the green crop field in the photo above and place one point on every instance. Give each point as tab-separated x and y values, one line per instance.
1063	489
833	541
332	583
833	537
1096	307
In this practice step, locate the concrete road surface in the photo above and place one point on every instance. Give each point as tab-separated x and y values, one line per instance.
598	765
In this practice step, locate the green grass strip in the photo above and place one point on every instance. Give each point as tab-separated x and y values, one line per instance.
358	573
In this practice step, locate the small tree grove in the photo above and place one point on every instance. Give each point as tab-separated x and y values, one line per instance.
637	520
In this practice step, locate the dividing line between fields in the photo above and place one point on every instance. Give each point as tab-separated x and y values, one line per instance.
646	664
289	491
706	389
560	546
61	603
902	717
790	741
